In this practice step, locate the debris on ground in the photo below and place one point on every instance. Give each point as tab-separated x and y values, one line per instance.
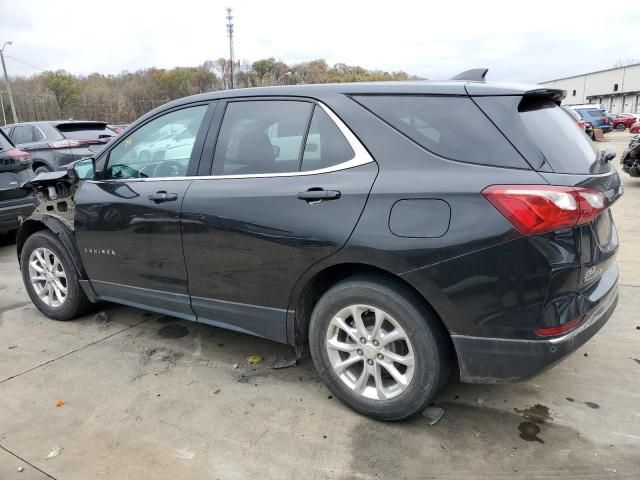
101	317
59	403
11	347
254	359
20	469
433	414
236	365
283	362
55	451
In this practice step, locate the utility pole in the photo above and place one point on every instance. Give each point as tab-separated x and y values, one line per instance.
230	33
4	115
6	79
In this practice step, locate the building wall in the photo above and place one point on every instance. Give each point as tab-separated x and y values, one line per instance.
599	87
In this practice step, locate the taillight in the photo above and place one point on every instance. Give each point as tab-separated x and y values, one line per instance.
581	123
542	208
18	155
564	328
605	119
65	144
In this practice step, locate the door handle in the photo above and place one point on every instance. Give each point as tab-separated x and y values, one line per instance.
163	196
318	195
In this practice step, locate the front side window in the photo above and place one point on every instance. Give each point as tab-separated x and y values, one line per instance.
160	148
258	137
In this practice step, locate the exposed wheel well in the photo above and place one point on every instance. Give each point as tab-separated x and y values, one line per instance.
324	280
39	163
27	229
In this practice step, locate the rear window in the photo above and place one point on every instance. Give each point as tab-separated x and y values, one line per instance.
561	141
5	143
85	131
596	113
452	127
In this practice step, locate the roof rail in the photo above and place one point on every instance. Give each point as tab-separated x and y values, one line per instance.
473	75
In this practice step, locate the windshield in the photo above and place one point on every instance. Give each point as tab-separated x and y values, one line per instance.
561	141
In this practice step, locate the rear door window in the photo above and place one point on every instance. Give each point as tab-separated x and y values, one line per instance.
23	134
561	141
451	127
261	137
326	146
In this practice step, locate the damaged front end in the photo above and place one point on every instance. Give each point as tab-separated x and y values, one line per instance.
54	194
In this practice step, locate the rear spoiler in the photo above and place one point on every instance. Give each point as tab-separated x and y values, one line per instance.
555	94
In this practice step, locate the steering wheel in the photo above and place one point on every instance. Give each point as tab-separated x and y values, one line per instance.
168	169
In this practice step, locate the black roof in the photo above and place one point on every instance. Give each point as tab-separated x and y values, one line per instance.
419	87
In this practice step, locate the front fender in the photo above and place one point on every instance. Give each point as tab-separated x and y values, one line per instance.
38	221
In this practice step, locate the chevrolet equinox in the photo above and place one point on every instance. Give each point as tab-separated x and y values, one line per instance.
403	231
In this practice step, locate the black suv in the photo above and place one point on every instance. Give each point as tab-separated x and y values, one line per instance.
402	231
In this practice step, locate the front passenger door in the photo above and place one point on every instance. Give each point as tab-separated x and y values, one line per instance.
127	221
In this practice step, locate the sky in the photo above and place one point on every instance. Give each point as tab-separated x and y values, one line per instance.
518	41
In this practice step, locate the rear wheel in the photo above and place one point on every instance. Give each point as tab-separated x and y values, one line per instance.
378	349
621	127
41	169
50	277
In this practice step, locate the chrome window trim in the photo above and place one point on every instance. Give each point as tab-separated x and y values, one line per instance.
361	157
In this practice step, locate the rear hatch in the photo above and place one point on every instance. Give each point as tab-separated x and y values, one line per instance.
582	256
90	136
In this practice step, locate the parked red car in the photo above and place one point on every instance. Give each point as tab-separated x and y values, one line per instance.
635	128
620	122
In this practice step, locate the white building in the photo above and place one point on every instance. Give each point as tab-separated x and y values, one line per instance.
618	89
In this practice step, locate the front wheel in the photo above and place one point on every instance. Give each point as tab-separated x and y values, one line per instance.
620	127
378	349
50	278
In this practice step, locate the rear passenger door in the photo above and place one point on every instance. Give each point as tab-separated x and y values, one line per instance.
287	184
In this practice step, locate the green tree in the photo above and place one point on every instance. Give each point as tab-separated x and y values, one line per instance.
64	87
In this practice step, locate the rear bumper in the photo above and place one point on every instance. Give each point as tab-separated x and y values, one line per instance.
495	360
11	210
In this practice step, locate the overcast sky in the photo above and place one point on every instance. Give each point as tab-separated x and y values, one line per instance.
517	41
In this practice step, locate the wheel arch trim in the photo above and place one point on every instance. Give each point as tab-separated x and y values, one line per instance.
38	222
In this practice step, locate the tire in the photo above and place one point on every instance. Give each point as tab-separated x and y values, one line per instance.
41	169
428	344
75	301
621	127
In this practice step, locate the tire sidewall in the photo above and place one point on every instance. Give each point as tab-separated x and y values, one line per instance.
75	296
413	319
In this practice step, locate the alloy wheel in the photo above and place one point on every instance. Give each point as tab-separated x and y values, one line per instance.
370	352
48	278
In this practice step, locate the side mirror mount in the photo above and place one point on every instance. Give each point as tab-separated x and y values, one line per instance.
608	155
83	169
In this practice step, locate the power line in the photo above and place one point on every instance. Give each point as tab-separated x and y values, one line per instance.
26	63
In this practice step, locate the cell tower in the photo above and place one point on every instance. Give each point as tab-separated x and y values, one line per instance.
230	33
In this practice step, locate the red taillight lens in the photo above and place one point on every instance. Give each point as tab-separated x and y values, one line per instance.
564	328
18	155
581	123
542	208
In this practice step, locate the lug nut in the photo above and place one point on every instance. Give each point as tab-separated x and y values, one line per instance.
375	343
370	362
360	352
363	340
380	356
